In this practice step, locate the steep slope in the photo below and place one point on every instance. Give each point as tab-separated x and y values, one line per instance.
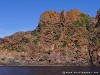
94	39
60	39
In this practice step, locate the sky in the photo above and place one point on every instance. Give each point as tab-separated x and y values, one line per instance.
23	15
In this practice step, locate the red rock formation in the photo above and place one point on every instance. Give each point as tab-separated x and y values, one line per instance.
98	15
70	38
49	17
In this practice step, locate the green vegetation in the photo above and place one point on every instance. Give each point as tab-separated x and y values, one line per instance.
70	34
84	19
21	49
63	45
34	34
18	48
76	44
67	38
8	47
82	22
81	15
56	37
98	41
35	41
77	23
94	29
10	37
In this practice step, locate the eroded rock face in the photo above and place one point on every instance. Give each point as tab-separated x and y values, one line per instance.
98	16
94	43
50	17
68	39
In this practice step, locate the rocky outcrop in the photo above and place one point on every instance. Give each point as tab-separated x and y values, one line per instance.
49	17
94	37
68	39
52	17
98	16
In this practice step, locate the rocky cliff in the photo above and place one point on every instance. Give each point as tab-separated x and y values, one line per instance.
67	39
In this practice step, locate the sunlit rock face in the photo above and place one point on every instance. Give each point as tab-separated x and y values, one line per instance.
98	16
68	38
94	43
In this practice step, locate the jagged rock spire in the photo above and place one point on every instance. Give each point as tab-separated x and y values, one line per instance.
63	16
98	15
